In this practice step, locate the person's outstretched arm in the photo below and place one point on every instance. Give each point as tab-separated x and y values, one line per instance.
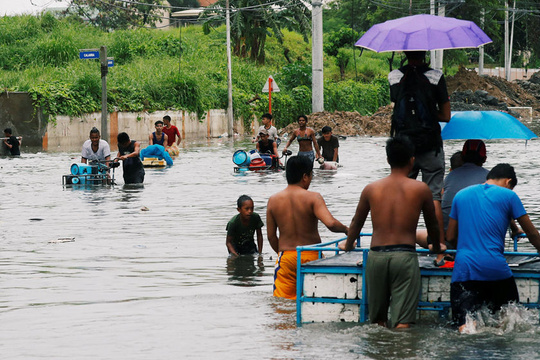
529	229
323	214
357	223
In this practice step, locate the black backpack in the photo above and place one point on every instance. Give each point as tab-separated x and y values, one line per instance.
415	110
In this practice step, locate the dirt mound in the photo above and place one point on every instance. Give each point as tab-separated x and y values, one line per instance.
348	123
468	91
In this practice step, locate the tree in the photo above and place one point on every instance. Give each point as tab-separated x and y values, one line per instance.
117	14
253	20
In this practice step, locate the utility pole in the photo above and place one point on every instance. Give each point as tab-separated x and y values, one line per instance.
506	70
433	53
104	71
481	50
440	53
509	73
317	87
230	117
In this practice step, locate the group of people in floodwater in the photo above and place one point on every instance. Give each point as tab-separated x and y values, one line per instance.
470	210
165	139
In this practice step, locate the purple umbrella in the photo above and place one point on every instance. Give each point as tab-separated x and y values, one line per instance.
423	32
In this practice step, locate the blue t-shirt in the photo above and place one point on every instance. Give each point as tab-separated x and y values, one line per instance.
483	213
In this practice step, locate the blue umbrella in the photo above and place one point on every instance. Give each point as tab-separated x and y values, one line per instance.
485	125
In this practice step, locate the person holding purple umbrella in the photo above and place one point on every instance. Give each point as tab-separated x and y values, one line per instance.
421	101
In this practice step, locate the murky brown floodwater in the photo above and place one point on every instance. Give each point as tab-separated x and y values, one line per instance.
157	284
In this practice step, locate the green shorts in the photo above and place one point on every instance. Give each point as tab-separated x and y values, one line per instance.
392	281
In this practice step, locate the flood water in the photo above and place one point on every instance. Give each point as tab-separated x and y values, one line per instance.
157	284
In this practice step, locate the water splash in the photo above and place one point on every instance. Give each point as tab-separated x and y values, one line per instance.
511	318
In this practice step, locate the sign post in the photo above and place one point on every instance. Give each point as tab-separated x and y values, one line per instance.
269	87
104	71
105	63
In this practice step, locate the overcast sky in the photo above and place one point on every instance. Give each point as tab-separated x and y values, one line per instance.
17	7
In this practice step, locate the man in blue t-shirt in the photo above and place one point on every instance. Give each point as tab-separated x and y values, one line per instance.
480	216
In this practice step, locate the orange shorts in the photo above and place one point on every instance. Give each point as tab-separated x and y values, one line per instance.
285	272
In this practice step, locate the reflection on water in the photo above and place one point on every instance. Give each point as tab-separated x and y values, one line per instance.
245	269
148	275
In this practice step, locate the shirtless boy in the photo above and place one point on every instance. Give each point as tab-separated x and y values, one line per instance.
296	212
392	270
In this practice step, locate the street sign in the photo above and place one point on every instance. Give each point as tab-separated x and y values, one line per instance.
89	54
266	87
110	62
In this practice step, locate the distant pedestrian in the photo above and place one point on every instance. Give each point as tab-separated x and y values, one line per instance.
242	227
95	148
329	144
306	140
11	142
129	153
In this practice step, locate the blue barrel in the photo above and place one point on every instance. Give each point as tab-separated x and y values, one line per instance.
241	158
267	159
81	169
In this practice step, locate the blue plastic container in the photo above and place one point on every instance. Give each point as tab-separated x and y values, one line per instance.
267	159
81	169
241	158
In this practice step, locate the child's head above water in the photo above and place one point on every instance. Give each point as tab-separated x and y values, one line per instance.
245	206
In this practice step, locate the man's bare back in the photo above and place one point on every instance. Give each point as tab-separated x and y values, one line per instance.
395	203
296	212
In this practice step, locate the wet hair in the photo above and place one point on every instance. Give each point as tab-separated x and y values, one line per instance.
415	55
267	116
456	160
167	117
122	138
94	130
326	129
158	122
399	151
300	117
296	167
241	200
8	131
503	171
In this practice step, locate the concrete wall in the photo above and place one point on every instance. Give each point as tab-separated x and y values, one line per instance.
71	132
17	113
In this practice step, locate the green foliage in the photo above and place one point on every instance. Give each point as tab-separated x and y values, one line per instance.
250	28
165	69
353	96
293	75
110	15
345	37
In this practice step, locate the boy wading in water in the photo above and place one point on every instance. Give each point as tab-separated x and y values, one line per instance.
242	227
392	270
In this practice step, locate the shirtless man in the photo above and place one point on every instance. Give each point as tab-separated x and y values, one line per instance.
392	270
296	212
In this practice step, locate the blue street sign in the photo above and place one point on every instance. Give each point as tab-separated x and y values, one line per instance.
89	54
110	62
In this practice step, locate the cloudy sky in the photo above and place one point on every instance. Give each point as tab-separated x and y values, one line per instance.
16	7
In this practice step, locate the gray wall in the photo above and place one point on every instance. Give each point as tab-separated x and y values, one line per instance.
17	113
